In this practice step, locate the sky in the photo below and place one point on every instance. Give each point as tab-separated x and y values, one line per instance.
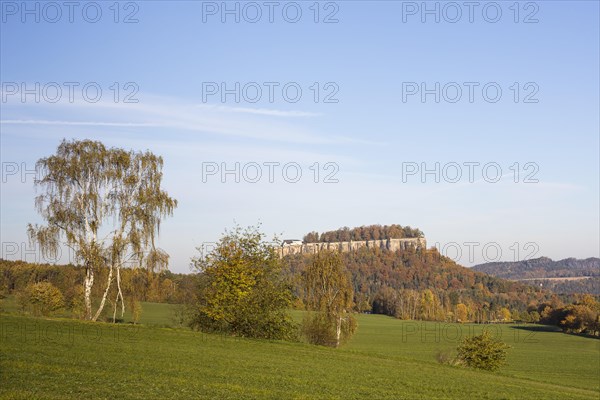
477	123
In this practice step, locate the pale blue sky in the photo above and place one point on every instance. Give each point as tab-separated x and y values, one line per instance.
369	133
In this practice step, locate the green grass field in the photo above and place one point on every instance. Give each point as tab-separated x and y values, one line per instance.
387	359
153	314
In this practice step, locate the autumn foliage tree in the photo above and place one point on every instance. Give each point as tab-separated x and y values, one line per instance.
329	298
581	317
462	312
107	205
43	298
242	289
482	352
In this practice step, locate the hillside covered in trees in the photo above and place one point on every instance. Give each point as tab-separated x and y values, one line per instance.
412	284
423	284
562	276
371	232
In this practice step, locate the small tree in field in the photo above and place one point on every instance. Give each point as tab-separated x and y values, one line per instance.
329	298
44	298
107	205
482	352
136	311
242	289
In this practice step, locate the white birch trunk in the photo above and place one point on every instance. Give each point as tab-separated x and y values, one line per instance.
101	307
338	331
88	283
119	295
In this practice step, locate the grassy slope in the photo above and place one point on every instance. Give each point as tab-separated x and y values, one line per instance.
153	314
387	359
540	353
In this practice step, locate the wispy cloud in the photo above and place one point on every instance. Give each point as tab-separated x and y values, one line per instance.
260	111
262	124
75	123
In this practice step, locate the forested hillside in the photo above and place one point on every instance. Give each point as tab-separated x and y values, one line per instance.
413	284
569	276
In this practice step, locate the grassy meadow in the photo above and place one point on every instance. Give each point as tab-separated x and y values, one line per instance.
387	359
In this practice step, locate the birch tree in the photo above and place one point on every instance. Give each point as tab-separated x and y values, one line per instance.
107	206
329	295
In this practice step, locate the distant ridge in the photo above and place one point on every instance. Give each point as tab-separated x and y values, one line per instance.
569	275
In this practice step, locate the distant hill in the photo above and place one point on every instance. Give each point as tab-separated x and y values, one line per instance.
566	276
420	283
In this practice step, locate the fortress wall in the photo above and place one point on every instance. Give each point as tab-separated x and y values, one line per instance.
388	244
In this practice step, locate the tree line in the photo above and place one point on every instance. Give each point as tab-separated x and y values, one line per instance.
371	232
408	284
20	279
581	316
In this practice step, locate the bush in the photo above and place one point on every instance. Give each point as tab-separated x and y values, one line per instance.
242	289
43	298
482	352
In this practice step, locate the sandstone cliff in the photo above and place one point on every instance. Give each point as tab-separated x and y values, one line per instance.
388	244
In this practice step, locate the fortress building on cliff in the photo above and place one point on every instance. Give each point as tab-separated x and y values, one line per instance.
294	247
